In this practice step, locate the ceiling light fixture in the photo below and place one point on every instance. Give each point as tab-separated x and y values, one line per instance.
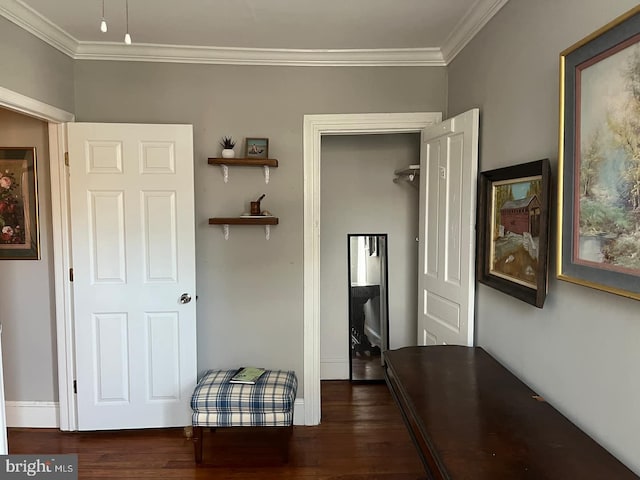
103	23
127	37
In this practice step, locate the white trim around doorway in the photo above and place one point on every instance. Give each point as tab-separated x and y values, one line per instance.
34	108
56	117
315	127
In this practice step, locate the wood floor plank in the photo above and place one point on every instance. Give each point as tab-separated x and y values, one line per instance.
361	437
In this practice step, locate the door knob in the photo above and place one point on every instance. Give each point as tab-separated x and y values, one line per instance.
185	298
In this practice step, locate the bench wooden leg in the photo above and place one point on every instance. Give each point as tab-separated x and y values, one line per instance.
286	440
197	444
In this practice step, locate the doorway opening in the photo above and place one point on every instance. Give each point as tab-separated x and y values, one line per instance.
368	306
315	127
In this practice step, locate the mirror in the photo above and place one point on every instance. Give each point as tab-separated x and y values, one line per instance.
368	306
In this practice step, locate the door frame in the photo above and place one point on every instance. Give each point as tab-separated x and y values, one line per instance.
56	118
315	127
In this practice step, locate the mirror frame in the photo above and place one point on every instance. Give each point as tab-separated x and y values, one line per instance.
385	308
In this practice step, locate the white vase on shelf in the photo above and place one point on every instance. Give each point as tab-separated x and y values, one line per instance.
228	153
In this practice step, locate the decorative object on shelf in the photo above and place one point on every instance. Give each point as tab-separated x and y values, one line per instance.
255	206
227	144
244	162
513	230
599	160
19	238
257	147
409	174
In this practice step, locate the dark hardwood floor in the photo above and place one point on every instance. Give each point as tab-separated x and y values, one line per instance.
367	368
361	436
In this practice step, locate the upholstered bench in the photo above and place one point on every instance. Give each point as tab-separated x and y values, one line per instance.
216	402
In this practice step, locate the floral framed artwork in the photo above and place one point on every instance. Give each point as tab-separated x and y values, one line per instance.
19	237
513	230
257	147
599	159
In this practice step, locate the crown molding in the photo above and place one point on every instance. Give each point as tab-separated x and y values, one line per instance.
258	56
31	21
469	26
28	19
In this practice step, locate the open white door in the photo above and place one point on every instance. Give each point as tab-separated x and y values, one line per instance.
446	280
132	211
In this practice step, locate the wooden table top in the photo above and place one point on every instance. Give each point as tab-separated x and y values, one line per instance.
472	419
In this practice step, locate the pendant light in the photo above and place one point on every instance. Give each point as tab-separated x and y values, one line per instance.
103	23
127	37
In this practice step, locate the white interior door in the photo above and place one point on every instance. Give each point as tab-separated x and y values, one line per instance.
446	280
132	211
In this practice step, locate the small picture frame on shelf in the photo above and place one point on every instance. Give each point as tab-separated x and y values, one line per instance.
257	147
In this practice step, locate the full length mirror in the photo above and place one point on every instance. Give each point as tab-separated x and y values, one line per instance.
368	306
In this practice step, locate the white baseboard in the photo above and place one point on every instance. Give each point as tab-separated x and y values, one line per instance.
334	369
46	414
298	411
33	414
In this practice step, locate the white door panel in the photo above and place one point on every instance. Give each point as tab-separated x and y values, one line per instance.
447	231
132	210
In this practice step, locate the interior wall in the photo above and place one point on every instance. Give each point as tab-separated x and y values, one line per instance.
33	68
358	196
250	291
581	349
26	286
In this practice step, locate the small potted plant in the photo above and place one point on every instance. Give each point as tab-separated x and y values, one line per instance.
227	144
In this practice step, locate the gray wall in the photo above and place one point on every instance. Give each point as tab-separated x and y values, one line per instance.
26	286
358	196
250	290
581	351
33	68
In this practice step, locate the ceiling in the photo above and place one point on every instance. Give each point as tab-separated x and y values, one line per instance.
277	32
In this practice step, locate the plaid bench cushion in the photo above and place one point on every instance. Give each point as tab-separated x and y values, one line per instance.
218	403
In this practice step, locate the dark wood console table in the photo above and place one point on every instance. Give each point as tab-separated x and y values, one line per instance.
470	418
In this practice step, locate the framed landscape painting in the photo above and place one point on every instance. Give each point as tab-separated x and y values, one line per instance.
513	230
19	238
599	159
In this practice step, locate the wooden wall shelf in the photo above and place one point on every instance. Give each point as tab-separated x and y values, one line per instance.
265	220
245	162
225	163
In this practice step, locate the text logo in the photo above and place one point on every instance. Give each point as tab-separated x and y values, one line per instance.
58	467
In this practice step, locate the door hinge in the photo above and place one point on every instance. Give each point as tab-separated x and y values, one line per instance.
71	274
66	158
75	386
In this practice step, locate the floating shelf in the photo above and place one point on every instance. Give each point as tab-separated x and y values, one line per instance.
267	221
264	220
245	162
225	163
